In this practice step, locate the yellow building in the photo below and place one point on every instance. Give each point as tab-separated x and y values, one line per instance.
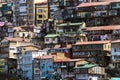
9	46
41	13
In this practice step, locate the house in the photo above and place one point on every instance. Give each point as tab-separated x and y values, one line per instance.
88	71
51	40
94	51
43	67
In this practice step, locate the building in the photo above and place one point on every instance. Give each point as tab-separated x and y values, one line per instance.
51	40
9	46
23	32
43	67
71	32
94	51
64	66
6	30
115	56
101	33
23	12
27	64
89	71
41	13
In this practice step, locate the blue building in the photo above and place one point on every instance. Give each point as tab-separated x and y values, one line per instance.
43	67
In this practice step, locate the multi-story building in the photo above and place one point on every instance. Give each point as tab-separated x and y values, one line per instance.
9	46
23	12
94	51
27	64
64	66
41	13
43	67
115	56
89	71
51	40
71	32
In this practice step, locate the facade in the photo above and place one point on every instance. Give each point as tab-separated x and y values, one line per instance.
23	32
94	51
9	46
71	32
64	66
115	56
89	71
43	67
51	40
23	12
27	64
41	13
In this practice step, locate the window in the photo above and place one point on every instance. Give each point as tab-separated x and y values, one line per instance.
40	16
40	10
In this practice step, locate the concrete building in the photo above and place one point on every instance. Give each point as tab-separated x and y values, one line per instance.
9	46
23	12
115	56
94	51
27	64
43	67
89	71
41	13
51	40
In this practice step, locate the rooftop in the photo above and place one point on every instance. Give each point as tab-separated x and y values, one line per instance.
45	57
92	42
17	39
51	35
69	24
98	28
87	65
93	4
116	41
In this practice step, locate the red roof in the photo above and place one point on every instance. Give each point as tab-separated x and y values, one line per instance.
116	41
93	4
67	60
17	39
92	42
98	28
